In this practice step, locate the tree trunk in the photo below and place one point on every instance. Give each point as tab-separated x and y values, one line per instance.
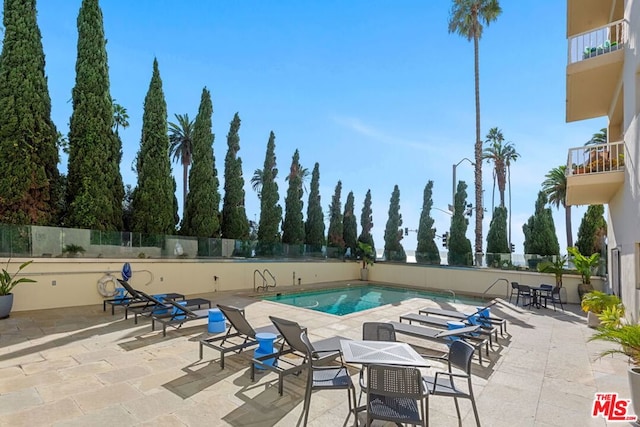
185	168
567	219
509	179
478	157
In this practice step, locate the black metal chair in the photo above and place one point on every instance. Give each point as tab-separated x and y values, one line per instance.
397	394
444	384
323	377
514	291
525	292
551	294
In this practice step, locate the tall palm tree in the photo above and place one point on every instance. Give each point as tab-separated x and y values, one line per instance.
120	117
467	18
598	138
555	187
181	140
256	181
501	155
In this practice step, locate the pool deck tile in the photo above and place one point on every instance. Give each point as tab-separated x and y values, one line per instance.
80	366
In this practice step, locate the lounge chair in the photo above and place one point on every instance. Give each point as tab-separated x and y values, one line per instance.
150	304
493	320
176	316
441	322
324	351
443	336
132	298
243	331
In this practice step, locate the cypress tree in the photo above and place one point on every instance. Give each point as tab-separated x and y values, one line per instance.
95	191
497	241
314	226
336	228
203	199
427	250
366	223
540	232
28	138
270	210
293	227
393	250
350	228
458	244
234	217
154	199
592	228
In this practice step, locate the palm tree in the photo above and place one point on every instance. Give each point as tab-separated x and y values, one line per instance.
555	187
501	155
181	139
256	179
467	18
598	138
120	117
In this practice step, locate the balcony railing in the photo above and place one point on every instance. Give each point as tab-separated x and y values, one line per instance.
599	41
599	158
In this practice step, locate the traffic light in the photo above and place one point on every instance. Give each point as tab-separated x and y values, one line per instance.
406	231
445	236
513	248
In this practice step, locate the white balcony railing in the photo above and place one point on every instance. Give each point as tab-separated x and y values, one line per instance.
599	41
590	159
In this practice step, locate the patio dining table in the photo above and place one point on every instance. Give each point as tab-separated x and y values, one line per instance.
381	352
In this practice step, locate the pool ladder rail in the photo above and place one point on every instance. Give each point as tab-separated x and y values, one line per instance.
265	283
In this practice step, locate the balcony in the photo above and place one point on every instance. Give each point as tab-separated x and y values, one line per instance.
594	68
595	173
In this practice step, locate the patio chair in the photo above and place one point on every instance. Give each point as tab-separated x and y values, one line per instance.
324	352
177	315
443	336
374	331
160	308
525	292
323	377
444	382
397	394
440	322
134	299
552	294
514	291
492	320
243	331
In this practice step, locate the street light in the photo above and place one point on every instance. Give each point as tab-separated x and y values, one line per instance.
453	198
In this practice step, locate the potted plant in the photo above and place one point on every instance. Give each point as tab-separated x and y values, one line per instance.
7	283
72	250
594	303
585	266
367	257
555	267
627	338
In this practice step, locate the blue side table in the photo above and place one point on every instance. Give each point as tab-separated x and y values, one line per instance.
160	297
265	347
216	321
451	325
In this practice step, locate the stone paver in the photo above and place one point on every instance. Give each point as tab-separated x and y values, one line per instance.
83	367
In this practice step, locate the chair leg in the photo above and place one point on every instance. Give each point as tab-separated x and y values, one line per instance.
475	410
305	407
352	393
455	399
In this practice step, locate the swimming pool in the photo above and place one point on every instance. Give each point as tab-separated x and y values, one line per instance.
351	299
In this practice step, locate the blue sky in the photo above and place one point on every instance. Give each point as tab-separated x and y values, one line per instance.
378	92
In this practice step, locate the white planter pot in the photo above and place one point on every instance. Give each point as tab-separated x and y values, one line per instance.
593	321
634	386
364	274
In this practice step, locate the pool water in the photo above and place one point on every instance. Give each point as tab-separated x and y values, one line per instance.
351	299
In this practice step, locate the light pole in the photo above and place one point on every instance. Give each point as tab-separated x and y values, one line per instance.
453	193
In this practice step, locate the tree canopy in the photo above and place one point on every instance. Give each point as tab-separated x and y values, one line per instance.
393	250
427	251
234	216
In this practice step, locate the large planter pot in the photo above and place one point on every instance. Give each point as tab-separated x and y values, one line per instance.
6	302
584	288
593	321
634	386
364	274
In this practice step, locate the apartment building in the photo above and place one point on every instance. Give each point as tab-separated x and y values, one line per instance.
603	80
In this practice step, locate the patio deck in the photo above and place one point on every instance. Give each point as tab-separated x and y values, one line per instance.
81	366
